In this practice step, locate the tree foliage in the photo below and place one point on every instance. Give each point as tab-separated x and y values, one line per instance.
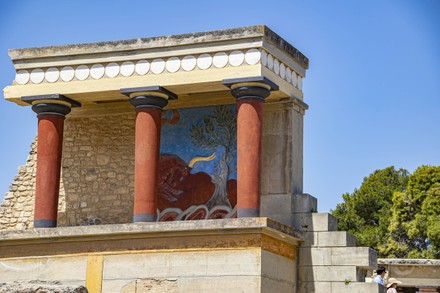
414	230
395	213
366	212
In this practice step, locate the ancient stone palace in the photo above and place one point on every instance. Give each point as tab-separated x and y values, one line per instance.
171	164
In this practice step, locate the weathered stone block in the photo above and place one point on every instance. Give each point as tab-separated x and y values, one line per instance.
315	222
363	257
304	203
357	287
312	256
44	268
327	273
315	287
336	238
329	239
151	286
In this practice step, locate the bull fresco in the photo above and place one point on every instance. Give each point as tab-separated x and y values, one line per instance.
197	169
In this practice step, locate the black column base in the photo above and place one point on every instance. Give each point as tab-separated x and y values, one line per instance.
45	223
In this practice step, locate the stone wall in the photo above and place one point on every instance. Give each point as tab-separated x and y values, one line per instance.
96	176
17	209
97	169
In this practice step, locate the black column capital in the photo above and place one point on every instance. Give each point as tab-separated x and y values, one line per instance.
51	104
149	97
250	88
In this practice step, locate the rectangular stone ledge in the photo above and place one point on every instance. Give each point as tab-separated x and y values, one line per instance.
283	218
328	239
276	204
260	32
358	287
338	287
304	203
204	234
327	273
363	257
418	281
197	227
315	222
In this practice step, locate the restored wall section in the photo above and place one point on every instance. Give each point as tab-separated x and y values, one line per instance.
97	183
226	255
282	171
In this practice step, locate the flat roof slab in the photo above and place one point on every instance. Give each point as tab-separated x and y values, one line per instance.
192	66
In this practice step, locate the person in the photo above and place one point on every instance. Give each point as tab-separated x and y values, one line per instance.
381	271
392	285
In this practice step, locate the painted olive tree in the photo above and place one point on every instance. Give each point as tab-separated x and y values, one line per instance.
218	130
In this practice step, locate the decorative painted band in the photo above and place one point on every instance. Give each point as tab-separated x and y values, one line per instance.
45	223
144	218
157	66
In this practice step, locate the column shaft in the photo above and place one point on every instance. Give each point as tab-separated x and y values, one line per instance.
249	133
49	150
148	102
51	110
250	94
147	147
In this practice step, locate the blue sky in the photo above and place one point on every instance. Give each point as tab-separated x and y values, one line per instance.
373	86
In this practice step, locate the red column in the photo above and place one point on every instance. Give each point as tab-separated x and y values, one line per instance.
249	133
51	110
149	102
250	94
147	147
49	147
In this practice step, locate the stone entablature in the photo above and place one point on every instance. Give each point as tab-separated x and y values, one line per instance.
186	64
160	65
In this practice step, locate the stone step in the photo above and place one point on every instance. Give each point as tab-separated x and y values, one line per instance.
330	273
329	239
338	287
315	222
363	257
304	203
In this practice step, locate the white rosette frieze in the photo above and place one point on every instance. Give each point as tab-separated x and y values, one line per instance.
204	61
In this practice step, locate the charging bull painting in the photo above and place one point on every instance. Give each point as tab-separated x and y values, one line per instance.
197	170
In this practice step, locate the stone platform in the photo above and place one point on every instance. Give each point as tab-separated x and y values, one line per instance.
232	255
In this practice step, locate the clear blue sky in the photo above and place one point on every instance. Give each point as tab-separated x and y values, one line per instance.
373	86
